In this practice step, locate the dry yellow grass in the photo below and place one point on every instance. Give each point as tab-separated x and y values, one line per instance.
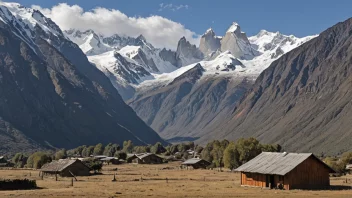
180	183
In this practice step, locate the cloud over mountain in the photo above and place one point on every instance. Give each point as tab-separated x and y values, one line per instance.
159	31
170	6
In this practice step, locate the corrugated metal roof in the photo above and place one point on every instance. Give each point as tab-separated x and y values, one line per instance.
58	165
274	163
108	158
193	161
141	156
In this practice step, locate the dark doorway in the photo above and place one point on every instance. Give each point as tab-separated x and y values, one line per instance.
270	181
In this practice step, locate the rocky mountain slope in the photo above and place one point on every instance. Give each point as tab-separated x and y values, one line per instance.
302	101
130	61
192	98
50	95
209	43
237	43
186	108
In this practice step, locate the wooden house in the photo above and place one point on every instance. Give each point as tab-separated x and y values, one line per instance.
286	170
145	158
66	168
110	160
3	162
196	163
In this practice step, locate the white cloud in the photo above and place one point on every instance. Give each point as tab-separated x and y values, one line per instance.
172	7
159	31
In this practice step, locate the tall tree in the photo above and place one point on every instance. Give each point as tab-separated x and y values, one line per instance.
128	146
87	151
157	148
78	151
231	156
98	149
248	149
37	160
61	154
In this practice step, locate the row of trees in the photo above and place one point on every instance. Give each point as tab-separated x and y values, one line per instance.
128	147
219	153
233	154
339	164
223	153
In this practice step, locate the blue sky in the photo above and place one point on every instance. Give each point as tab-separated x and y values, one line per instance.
299	17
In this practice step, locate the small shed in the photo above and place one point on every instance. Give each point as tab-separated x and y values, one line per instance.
196	163
3	162
131	158
349	168
110	160
285	170
66	168
99	156
145	158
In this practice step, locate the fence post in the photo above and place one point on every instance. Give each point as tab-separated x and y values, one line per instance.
167	181
72	182
56	176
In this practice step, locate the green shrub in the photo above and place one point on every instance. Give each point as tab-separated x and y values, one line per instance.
37	160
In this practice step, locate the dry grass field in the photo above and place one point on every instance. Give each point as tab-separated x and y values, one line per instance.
179	183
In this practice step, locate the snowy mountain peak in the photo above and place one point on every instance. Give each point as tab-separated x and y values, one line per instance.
141	37
209	31
262	33
234	28
182	40
237	43
270	41
187	53
209	43
27	18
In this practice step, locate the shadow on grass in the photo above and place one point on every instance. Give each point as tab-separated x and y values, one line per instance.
340	187
23	189
332	188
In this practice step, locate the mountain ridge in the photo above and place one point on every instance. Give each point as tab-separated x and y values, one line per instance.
51	96
302	101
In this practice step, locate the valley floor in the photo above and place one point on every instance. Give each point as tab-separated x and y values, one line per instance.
179	183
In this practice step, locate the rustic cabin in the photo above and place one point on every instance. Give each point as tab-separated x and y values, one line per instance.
3	162
145	158
196	163
131	157
110	160
349	168
66	168
285	171
98	157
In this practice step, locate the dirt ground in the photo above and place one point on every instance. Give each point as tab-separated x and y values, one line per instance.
165	180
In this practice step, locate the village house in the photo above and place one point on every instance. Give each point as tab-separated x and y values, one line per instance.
110	160
349	168
3	162
66	168
145	158
196	163
286	171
